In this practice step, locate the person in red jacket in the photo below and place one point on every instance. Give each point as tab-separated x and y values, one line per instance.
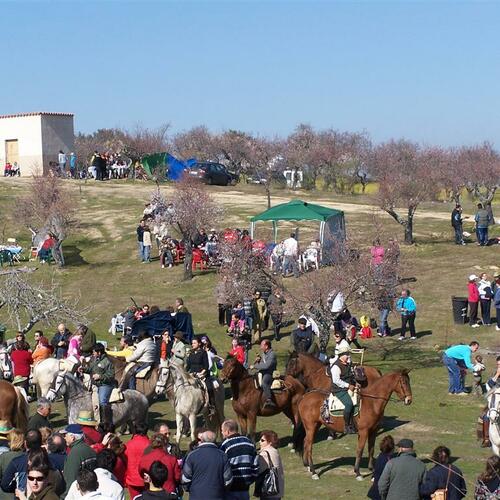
473	299
156	452
21	360
237	351
134	450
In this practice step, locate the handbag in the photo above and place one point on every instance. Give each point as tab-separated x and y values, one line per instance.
442	493
267	484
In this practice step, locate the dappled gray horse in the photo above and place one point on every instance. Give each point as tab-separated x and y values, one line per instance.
77	398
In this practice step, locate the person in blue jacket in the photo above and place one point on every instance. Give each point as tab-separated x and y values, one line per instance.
386	453
443	476
455	358
407	306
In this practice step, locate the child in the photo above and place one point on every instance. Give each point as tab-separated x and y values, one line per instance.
237	351
236	321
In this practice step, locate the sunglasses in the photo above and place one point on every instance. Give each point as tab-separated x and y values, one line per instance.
38	479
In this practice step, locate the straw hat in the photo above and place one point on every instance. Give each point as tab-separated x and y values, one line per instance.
344	350
18	379
5	427
86	418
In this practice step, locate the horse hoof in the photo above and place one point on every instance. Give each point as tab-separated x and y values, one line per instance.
359	477
329	438
315	477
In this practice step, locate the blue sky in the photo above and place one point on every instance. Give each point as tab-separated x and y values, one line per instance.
427	71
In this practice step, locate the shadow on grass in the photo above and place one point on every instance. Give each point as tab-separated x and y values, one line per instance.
73	256
389	423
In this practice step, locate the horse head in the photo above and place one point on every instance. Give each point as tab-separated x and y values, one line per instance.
57	387
293	367
5	365
231	370
403	387
163	378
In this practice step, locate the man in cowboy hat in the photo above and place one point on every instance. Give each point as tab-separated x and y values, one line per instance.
88	425
342	382
178	350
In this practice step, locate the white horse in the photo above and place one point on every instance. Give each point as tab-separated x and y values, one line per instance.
5	365
493	397
188	398
44	373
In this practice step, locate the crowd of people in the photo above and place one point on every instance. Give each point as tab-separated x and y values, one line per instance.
483	219
12	169
483	294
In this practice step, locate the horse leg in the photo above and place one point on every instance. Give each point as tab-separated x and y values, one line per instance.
362	437
178	421
371	447
311	430
252	423
192	423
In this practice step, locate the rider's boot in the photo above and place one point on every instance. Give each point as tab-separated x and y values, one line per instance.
349	428
486	434
211	403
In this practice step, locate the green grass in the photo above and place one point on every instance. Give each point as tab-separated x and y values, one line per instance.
103	270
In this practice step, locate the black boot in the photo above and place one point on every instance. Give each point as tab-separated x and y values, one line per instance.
349	428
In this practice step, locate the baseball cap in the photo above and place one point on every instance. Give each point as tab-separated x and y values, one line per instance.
473	277
72	429
405	443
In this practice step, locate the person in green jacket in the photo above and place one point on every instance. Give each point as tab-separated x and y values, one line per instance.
102	373
80	456
88	340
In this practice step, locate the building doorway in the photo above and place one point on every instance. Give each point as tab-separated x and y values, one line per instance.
12	151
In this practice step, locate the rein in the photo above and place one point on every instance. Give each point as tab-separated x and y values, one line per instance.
390	398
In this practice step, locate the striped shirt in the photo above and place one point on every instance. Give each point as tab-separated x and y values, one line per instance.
243	460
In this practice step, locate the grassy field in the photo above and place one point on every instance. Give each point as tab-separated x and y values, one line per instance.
102	268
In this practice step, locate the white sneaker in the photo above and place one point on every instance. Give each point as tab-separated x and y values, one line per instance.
475	326
170	265
413	338
401	338
497	328
162	266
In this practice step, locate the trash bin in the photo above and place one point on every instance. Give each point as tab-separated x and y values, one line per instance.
459	307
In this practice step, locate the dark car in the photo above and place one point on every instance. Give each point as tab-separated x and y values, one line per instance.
213	173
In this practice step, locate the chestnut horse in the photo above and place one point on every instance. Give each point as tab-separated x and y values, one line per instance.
248	401
144	385
312	372
374	399
14	407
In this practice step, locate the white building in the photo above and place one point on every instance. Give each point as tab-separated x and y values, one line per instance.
34	139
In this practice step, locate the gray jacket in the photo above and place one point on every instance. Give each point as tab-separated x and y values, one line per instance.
401	478
145	352
267	363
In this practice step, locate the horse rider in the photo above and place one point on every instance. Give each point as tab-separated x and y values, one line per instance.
302	337
127	348
266	364
145	355
197	364
342	382
492	383
178	351
102	373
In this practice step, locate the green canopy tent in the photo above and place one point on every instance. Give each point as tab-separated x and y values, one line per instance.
331	221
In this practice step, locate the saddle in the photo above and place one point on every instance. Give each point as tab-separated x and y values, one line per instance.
141	374
277	385
334	407
116	397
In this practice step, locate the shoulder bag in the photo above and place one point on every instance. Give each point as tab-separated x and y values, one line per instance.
442	493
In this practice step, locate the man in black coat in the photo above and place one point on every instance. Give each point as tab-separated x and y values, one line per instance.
40	418
456	222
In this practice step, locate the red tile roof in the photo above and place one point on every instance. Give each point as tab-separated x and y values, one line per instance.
36	113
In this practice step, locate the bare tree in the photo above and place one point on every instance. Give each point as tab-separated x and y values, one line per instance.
235	149
407	175
300	149
29	303
142	141
47	208
197	142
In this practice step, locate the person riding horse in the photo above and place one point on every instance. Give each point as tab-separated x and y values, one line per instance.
266	364
342	381
102	374
145	355
197	364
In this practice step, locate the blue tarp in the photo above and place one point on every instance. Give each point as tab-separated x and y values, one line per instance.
157	323
176	167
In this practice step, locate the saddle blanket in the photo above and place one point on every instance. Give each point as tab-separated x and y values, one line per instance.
277	385
144	372
335	407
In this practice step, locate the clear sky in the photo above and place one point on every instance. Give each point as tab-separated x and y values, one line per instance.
426	71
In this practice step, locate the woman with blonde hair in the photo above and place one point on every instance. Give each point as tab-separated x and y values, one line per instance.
269	457
16	445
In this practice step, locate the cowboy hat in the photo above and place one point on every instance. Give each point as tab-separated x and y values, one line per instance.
18	379
5	427
344	350
179	335
86	417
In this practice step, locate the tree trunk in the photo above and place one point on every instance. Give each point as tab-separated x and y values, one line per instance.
188	259
409	227
57	252
268	194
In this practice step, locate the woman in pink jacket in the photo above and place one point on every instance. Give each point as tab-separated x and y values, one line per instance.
74	344
473	299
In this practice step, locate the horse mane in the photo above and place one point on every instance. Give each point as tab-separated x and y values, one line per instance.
401	371
187	377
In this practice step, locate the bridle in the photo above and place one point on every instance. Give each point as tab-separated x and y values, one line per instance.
163	385
5	365
406	396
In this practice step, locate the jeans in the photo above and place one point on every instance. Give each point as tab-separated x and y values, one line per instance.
290	262
146	252
455	380
410	320
485	311
267	380
237	495
104	392
473	313
384	325
346	399
166	258
140	247
132	383
482	235
459	235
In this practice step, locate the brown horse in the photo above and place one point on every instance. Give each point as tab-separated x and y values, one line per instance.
144	385
312	372
248	401
374	399
13	408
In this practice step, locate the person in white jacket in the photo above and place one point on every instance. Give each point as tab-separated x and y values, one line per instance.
108	485
144	355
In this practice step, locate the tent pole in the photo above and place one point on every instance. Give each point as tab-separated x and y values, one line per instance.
275	231
321	232
252	229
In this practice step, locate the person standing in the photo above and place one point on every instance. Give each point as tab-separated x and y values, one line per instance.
41	417
259	314
72	165
275	306
22	361
386	454
483	220
134	450
146	244
407	306
178	351
443	476
457	224
61	160
243	459
42	350
485	296
302	337
102	373
473	300
455	358
377	252
266	364
60	341
496	301
140	239
269	457
291	255
384	304
206	473
403	475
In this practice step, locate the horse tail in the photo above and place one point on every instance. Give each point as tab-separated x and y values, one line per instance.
299	434
22	411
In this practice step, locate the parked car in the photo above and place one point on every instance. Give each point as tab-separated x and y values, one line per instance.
256	179
213	173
